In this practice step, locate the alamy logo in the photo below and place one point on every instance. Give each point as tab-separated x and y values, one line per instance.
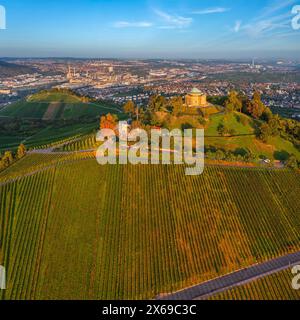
187	148
2	18
2	278
296	19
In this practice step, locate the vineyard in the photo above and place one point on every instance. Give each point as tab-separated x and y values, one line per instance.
87	142
77	230
277	286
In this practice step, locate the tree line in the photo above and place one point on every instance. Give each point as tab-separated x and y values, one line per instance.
9	157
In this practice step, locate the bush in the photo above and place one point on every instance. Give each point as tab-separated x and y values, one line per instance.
292	162
230	156
220	155
202	121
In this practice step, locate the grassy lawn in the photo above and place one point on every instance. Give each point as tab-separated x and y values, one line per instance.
277	148
232	121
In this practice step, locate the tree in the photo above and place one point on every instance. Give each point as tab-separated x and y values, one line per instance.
157	103
255	107
202	121
108	122
220	155
230	156
136	124
274	124
176	104
21	151
224	130
249	156
233	102
265	132
7	159
292	162
267	114
210	155
129	107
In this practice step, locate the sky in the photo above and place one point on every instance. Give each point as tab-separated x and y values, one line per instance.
150	29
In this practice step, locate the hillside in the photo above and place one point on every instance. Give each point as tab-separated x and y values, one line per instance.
56	105
241	139
101	240
244	139
49	116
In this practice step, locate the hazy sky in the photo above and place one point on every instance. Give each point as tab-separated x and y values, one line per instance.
150	28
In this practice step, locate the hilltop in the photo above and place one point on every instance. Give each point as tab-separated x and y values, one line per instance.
50	116
57	105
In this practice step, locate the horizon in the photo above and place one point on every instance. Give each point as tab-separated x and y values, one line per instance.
108	58
150	29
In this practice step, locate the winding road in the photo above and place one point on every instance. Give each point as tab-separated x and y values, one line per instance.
235	279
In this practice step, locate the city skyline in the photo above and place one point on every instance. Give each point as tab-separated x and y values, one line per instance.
150	29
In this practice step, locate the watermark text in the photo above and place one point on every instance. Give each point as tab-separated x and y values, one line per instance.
162	147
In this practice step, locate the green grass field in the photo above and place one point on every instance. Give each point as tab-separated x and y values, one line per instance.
244	138
77	230
232	121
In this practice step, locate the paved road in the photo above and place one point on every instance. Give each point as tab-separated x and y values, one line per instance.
212	287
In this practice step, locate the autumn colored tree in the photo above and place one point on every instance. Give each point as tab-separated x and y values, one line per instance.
108	122
7	159
129	107
136	124
274	124
267	114
256	107
233	102
176	104
265	132
21	151
157	103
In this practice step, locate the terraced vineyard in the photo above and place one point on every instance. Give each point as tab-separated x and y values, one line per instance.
277	286
87	142
77	230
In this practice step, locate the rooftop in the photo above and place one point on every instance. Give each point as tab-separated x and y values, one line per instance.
196	91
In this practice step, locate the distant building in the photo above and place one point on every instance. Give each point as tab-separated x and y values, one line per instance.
196	99
5	91
69	74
